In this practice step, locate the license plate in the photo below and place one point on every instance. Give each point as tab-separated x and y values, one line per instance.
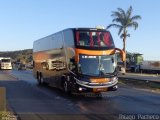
100	89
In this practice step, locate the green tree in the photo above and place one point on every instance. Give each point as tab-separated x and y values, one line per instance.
124	20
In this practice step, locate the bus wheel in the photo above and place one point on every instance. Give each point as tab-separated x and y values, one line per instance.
38	78
65	86
41	79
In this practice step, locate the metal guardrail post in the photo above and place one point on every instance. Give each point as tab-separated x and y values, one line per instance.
2	99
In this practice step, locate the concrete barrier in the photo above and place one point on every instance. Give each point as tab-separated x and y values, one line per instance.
2	99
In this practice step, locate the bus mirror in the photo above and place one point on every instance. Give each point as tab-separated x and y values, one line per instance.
123	56
72	60
122	53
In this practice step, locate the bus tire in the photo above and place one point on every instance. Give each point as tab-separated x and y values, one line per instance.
66	87
38	78
41	79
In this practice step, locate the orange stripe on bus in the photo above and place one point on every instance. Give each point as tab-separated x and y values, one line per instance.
93	52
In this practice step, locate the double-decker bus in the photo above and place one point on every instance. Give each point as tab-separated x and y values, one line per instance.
5	63
77	59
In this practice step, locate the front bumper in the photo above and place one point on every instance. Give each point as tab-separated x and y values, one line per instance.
96	87
6	68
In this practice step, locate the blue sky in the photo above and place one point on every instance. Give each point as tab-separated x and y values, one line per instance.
23	21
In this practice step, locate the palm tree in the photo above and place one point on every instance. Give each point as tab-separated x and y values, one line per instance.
124	20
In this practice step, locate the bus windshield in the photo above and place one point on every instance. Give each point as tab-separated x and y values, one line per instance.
97	65
5	60
94	39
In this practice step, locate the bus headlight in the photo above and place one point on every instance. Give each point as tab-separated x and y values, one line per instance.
114	79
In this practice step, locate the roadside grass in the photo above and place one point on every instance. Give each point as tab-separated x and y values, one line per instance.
143	85
5	115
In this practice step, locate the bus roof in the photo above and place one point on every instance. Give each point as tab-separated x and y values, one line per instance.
88	29
81	29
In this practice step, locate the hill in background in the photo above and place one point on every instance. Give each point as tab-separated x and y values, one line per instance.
23	56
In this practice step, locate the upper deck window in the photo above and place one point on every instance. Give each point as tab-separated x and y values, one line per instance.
94	39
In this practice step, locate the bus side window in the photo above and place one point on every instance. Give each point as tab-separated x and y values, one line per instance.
107	39
102	43
95	40
83	39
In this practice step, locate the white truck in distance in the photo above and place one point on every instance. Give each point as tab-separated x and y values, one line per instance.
5	63
153	66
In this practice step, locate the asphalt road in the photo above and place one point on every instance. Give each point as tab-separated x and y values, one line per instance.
33	102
